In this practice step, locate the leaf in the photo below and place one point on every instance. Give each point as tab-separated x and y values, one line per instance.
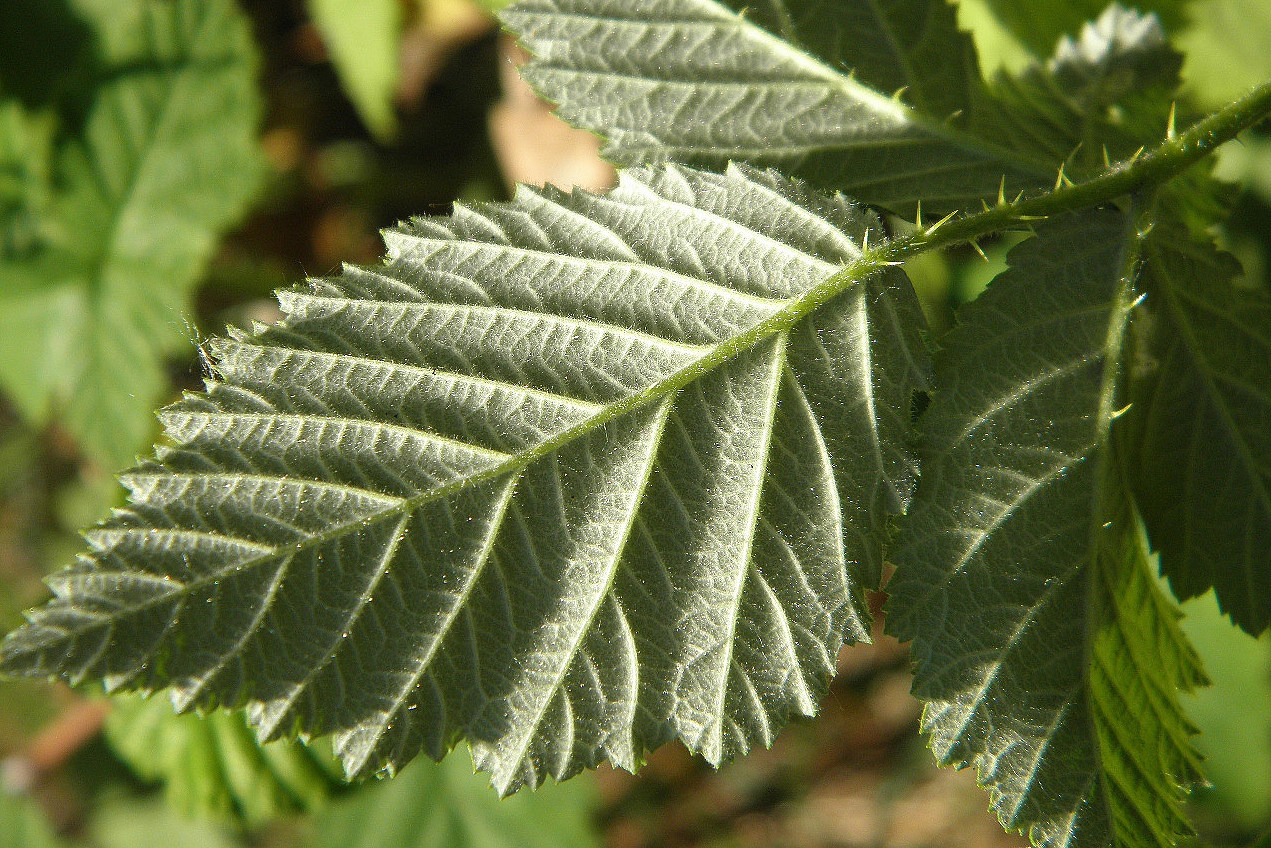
1200	431
23	824
1107	92
460	812
1234	716
705	82
363	38
1044	652
572	477
212	766
166	159
1226	51
122	821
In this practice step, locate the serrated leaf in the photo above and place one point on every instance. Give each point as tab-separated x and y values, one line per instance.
1200	426
446	805
363	38
708	81
1045	654
571	476
164	161
212	766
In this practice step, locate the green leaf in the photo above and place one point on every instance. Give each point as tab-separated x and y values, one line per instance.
1226	49
23	824
445	805
166	159
123	821
706	82
1201	425
572	477
363	40
1041	25
1107	92
212	765
1046	655
1233	715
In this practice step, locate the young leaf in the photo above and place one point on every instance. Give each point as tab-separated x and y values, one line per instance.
707	81
1201	425
445	805
571	476
165	159
212	765
1044	651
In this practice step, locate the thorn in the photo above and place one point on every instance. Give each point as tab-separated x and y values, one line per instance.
953	116
1001	191
1018	197
896	96
1122	411
918	216
1107	160
1169	124
1061	177
865	242
938	224
1135	155
985	204
979	250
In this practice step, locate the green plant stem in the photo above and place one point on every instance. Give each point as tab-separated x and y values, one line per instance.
1157	166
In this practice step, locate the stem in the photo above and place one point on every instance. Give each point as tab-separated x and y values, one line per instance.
1158	166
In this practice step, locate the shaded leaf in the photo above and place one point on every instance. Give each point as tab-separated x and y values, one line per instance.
212	765
706	82
571	477
1046	655
1109	88
446	805
164	161
1201	424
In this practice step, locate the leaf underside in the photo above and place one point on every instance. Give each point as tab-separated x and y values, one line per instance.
529	483
706	82
1200	425
1046	654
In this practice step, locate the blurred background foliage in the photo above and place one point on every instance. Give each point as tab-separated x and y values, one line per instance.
166	164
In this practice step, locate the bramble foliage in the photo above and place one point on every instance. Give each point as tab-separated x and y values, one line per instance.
575	475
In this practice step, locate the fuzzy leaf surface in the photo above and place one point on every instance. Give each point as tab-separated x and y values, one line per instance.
571	476
805	86
1045	653
1201	429
164	161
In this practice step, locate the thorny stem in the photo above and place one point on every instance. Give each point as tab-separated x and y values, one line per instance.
1161	164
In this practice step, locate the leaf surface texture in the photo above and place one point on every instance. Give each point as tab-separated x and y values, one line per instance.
571	477
1046	654
803	86
1201	421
